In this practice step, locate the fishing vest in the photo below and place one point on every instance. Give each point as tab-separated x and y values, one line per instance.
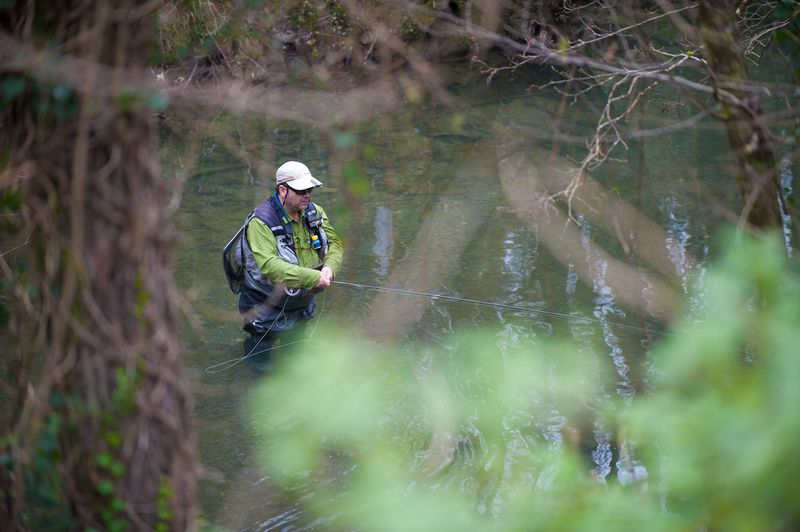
270	212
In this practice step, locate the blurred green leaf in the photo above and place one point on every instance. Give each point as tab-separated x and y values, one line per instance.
473	435
344	140
157	101
355	178
61	92
12	87
125	99
105	487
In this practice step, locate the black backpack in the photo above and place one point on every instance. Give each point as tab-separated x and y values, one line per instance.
233	260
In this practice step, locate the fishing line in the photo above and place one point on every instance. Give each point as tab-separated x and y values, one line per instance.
503	306
223	366
228	364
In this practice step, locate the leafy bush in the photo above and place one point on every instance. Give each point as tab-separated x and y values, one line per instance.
474	435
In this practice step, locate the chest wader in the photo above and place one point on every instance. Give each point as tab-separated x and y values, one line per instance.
269	308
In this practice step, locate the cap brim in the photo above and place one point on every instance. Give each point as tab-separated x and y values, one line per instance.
304	183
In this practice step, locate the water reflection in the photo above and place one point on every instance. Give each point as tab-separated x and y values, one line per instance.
459	211
604	306
678	239
519	264
384	241
787	185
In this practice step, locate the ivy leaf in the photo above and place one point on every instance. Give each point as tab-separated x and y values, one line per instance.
12	87
157	102
563	45
105	487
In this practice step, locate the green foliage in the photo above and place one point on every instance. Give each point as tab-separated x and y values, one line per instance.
53	102
109	469
164	511
11	199
725	419
339	21
192	28
468	435
353	174
12	87
42	476
45	500
305	16
410	30
142	295
132	99
219	31
125	99
41	479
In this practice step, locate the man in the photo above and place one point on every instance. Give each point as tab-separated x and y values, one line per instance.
291	253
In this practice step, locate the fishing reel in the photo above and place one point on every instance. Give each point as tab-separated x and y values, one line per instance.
291	292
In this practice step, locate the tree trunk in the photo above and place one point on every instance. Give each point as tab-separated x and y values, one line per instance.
756	173
81	144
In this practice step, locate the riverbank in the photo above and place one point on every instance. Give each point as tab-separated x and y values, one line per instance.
316	42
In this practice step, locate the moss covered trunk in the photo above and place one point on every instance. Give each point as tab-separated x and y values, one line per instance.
741	111
112	404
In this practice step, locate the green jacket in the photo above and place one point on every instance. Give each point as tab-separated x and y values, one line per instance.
265	251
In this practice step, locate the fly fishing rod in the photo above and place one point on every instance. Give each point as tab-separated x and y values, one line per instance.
518	308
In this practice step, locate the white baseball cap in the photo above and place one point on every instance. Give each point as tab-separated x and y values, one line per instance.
296	175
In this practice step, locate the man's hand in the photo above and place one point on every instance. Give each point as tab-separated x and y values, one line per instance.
325	278
327	272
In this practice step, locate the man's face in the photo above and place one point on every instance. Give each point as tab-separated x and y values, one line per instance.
296	200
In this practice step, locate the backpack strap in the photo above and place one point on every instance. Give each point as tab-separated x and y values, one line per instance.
272	213
313	222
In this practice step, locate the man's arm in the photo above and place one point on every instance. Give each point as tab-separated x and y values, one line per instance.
273	267
333	259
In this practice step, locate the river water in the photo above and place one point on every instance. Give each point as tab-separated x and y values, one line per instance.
450	198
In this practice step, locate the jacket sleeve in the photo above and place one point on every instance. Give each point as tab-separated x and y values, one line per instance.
333	259
273	267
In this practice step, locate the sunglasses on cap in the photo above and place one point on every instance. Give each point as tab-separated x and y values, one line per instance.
299	192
